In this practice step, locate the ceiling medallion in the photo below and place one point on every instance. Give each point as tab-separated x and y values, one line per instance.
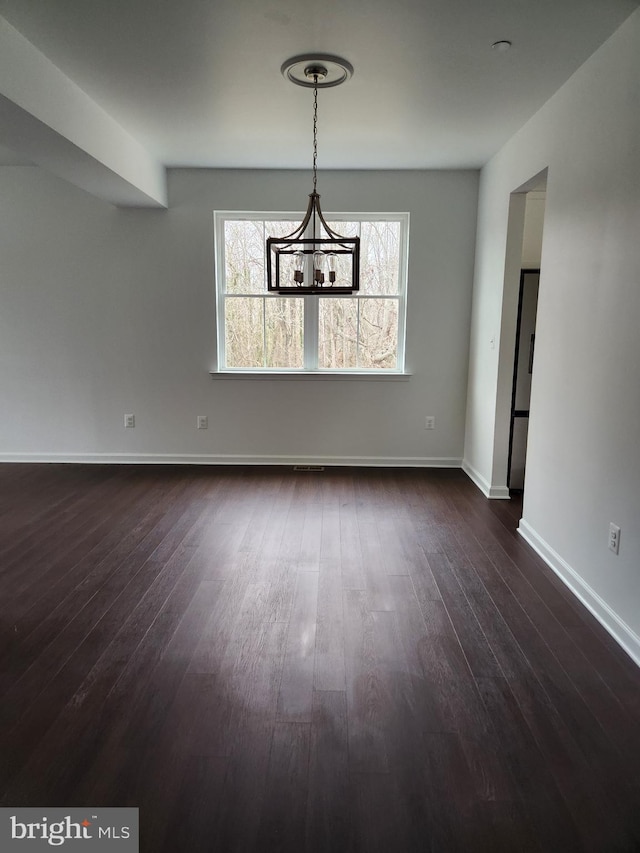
334	70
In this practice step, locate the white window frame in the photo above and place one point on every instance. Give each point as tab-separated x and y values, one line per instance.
311	313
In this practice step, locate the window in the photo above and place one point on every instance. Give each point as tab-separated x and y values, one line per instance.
359	332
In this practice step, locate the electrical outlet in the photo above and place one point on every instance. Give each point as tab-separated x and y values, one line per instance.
429	422
129	421
203	422
614	537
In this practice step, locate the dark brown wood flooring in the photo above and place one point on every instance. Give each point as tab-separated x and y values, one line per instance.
270	660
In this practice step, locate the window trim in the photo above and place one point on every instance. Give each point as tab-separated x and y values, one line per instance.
310	368
314	375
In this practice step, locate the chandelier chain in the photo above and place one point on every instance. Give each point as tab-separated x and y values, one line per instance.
314	258
315	131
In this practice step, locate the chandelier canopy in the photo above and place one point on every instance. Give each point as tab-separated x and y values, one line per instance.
314	258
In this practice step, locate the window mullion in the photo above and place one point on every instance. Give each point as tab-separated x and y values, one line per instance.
310	316
264	331
358	304
311	332
264	305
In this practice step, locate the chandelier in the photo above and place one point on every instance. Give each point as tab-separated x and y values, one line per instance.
314	258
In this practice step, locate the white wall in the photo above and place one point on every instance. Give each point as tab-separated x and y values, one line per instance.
583	463
105	311
50	120
533	230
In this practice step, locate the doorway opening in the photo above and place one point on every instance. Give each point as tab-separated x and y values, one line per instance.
525	339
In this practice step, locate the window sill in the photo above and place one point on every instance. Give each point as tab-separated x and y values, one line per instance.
314	375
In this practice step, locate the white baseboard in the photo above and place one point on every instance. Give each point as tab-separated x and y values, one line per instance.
228	459
608	618
489	491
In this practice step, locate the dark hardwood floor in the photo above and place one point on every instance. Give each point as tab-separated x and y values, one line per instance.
269	660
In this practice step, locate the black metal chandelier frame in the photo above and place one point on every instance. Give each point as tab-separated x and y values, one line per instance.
314	255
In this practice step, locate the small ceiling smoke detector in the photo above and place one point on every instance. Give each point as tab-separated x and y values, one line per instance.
501	46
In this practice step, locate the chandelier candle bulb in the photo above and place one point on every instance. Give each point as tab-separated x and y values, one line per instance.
318	264
332	263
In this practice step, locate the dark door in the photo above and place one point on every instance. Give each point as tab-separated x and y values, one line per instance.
522	373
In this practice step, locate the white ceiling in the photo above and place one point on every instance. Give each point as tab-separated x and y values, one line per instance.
198	83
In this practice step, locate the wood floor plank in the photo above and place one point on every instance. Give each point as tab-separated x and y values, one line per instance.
155	730
244	792
49	522
263	659
284	808
566	674
547	811
115	680
193	814
375	566
330	534
589	803
351	560
329	673
256	688
328	819
310	545
295	700
374	793
473	640
480	581
66	567
367	746
499	542
612	664
97	607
